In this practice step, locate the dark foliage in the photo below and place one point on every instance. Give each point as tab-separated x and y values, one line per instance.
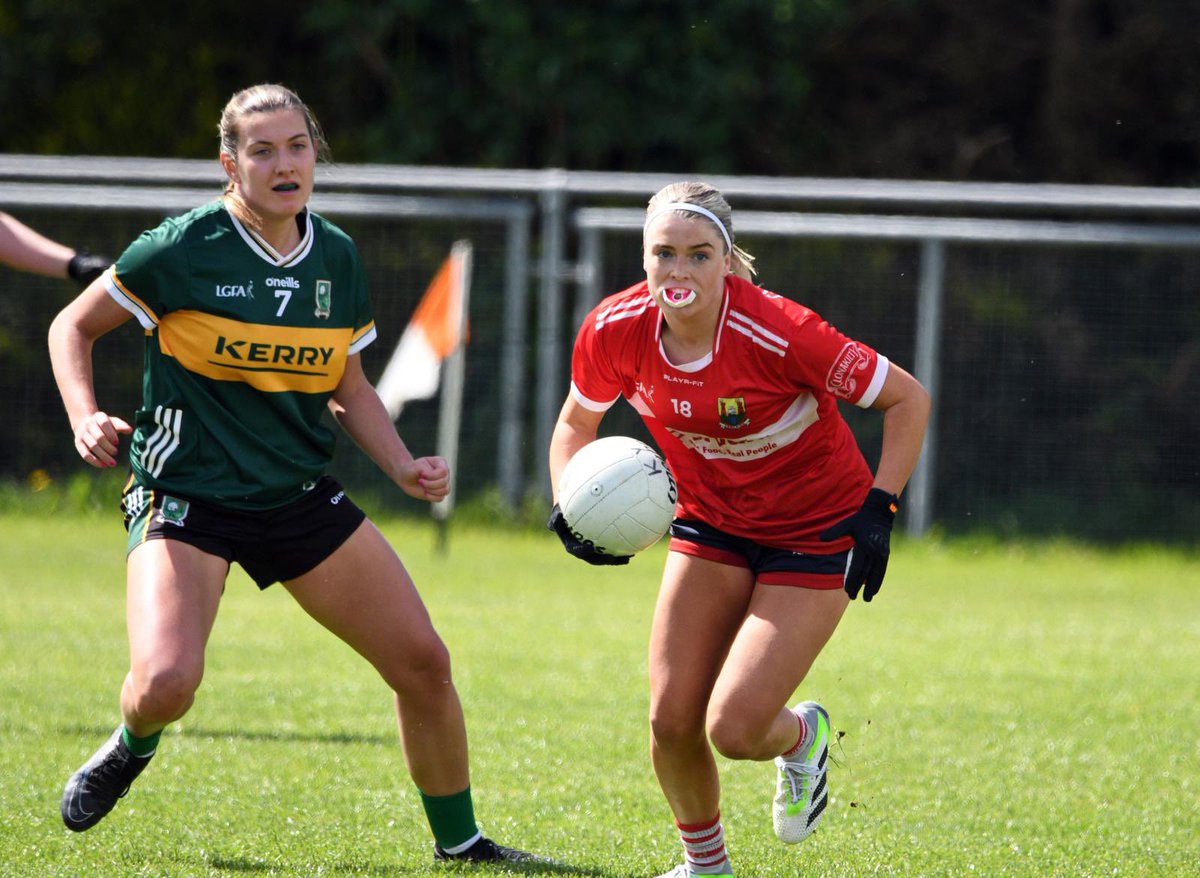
1091	91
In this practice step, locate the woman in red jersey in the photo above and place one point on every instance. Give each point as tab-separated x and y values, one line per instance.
780	521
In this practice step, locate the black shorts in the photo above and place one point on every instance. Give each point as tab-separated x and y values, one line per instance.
770	565
272	545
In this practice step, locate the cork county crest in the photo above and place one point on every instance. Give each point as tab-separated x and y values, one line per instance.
731	410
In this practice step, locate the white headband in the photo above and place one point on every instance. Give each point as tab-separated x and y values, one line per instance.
694	208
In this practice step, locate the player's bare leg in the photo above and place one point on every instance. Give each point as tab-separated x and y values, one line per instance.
784	631
364	595
700	606
172	596
172	593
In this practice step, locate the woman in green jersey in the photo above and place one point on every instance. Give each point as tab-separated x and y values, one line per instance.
256	312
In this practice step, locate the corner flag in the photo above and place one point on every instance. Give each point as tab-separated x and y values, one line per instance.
436	332
437	328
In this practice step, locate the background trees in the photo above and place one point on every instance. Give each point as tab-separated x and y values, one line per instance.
1071	377
1089	91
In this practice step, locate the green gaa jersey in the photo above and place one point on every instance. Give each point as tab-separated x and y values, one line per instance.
244	347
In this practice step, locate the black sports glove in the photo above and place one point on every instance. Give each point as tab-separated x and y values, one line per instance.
582	549
871	528
85	267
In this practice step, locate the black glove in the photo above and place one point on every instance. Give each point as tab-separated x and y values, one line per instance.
871	528
582	549
85	267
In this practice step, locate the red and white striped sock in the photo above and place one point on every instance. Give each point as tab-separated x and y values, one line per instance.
704	847
800	741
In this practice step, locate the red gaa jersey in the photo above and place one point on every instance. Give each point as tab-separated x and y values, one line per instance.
752	430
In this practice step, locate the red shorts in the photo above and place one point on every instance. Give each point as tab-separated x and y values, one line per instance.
770	565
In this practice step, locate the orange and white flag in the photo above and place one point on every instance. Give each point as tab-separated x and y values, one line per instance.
437	328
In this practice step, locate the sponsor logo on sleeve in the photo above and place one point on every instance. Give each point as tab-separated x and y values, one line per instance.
851	365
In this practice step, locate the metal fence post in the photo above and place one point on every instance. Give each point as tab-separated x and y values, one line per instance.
587	274
510	471
549	385
927	369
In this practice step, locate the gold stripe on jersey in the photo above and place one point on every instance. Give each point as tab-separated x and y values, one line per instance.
274	359
362	338
148	504
147	317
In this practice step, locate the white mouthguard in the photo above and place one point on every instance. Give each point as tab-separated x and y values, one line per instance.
678	297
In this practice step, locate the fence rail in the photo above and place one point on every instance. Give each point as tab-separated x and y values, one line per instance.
907	194
567	246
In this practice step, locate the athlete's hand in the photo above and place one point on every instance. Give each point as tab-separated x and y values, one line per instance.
97	439
582	549
426	478
85	267
871	528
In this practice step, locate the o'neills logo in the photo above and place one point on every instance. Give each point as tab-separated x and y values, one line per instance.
841	380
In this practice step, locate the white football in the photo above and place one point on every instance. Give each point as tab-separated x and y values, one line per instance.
617	493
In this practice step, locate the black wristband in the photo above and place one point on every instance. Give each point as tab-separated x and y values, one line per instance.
85	267
882	500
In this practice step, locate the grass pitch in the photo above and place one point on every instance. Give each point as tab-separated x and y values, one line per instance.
1005	710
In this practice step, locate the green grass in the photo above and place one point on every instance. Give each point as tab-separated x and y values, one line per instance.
1005	710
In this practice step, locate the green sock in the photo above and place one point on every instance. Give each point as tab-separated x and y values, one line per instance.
452	818
140	746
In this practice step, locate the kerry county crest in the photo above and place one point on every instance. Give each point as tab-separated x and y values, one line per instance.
324	297
174	510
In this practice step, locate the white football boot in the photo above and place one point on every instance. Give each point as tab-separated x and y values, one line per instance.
682	871
801	793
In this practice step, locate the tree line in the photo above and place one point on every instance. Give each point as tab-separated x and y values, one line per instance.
1081	91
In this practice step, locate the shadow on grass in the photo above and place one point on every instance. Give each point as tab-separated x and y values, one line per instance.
239	864
249	866
251	735
543	867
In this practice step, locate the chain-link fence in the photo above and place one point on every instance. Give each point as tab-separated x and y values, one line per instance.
1067	360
